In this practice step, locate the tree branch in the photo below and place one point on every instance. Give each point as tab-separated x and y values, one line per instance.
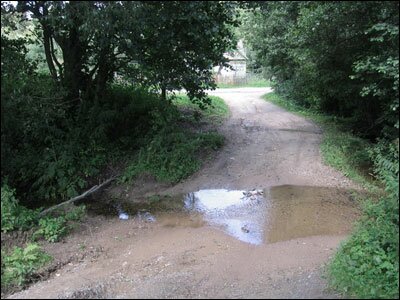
85	194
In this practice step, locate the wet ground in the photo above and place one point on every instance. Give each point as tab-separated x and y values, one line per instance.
218	243
270	215
259	221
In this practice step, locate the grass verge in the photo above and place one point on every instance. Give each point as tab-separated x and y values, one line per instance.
215	113
253	82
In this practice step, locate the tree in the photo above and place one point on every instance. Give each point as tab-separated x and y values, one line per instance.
179	43
168	45
83	31
337	57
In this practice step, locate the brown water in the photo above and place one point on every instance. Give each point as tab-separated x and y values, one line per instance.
300	211
265	216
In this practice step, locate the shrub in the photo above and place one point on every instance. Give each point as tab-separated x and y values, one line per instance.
13	215
21	264
17	217
50	149
52	229
76	214
170	151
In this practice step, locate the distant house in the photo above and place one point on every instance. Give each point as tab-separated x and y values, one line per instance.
238	60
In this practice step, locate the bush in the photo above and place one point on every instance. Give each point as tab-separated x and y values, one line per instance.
170	151
13	215
50	149
21	264
52	229
76	213
17	217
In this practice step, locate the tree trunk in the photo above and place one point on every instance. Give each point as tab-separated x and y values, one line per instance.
163	93
47	50
73	52
104	72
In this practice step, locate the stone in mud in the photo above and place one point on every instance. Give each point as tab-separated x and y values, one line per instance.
123	216
253	194
146	216
245	229
121	213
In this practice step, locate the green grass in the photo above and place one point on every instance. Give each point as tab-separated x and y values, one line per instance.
215	113
366	265
173	154
254	82
178	145
340	148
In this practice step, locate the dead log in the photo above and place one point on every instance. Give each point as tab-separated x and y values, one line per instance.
81	196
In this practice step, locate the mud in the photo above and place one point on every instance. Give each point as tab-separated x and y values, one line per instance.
301	211
261	216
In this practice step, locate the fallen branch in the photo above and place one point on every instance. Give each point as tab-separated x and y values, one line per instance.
85	194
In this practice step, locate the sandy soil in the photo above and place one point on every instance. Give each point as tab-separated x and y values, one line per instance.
182	257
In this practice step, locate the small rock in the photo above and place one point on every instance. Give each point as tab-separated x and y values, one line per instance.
245	229
123	216
147	217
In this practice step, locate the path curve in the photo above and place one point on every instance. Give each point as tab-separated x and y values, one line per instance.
265	146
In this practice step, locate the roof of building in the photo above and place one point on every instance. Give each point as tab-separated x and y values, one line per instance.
238	54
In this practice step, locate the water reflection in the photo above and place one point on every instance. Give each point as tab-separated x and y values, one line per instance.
276	214
239	213
257	216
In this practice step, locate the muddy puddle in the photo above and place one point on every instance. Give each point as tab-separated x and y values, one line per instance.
301	211
252	216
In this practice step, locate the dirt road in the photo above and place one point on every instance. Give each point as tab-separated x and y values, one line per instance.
181	256
266	146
